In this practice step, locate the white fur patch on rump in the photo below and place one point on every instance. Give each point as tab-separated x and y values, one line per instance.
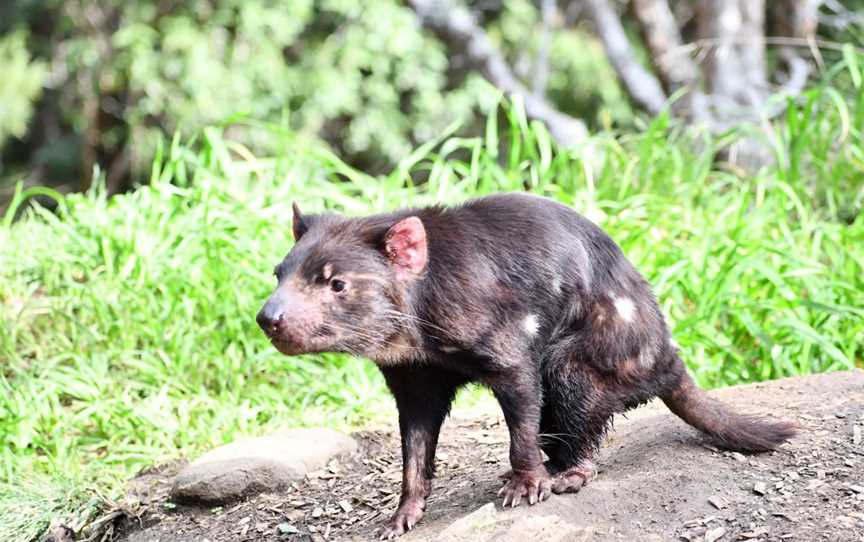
625	307
531	324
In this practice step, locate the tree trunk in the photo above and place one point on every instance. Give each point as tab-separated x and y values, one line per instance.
733	34
671	60
660	32
795	18
734	68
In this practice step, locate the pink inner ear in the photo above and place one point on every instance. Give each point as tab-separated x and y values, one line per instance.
405	245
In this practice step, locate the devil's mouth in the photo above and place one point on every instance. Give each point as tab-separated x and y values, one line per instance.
291	343
290	348
286	347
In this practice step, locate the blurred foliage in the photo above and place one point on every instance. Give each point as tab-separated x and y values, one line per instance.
361	76
101	81
20	87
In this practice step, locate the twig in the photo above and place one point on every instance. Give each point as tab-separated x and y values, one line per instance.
708	43
641	85
843	17
459	30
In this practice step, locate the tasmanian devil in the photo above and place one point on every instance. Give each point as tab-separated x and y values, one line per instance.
514	291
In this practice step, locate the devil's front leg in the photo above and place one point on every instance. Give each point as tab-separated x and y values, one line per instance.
423	396
518	391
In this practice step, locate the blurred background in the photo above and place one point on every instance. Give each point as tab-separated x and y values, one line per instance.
97	83
150	152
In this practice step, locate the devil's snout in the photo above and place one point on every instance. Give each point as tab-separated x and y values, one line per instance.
290	321
271	317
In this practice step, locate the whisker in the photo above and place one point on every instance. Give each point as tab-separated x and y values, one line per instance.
558	437
364	337
410	317
368	339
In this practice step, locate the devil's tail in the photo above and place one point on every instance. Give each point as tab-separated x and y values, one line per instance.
728	428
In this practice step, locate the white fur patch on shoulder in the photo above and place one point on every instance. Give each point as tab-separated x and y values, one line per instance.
531	324
625	307
646	359
449	349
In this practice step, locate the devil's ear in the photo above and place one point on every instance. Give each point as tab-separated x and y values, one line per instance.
300	224
406	248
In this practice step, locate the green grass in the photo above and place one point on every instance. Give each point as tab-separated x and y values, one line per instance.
127	332
30	506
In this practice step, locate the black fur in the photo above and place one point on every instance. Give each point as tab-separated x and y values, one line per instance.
523	295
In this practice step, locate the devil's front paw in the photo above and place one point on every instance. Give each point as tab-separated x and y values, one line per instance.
405	518
535	485
550	468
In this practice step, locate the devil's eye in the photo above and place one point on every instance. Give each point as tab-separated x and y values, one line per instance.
337	285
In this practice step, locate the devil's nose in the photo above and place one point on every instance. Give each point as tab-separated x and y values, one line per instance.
270	317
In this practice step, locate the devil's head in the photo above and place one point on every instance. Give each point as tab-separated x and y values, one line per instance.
342	287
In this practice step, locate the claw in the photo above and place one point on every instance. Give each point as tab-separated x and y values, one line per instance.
534	486
405	519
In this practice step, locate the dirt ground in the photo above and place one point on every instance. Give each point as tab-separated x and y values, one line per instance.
657	478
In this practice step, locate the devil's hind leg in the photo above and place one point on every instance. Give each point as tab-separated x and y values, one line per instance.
574	420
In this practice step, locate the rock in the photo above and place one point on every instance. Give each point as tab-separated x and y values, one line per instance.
715	534
486	524
717	502
257	465
814	484
760	488
856	435
755	533
59	533
548	528
287	528
470	527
